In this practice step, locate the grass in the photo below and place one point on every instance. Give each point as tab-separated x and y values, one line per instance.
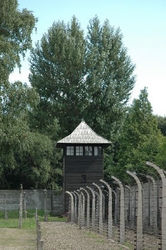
12	237
28	223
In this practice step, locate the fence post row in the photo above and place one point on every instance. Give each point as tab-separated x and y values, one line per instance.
93	207
85	208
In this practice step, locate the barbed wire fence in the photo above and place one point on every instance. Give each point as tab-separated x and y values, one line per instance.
136	214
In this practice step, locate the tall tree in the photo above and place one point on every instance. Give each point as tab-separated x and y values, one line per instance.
15	36
26	156
82	77
140	137
110	79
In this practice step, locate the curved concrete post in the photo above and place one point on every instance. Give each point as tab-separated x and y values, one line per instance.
77	212
122	213
163	205
154	201
100	208
115	207
139	242
129	205
109	208
79	208
93	208
87	208
72	205
82	209
75	207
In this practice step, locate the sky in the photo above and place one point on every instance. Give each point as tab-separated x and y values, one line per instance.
142	23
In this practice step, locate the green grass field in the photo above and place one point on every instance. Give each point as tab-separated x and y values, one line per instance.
28	223
12	236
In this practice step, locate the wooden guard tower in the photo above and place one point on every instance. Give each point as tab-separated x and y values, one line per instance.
82	158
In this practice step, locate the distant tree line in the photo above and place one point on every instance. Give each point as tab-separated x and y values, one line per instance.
73	76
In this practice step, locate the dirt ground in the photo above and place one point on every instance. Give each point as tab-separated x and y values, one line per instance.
17	239
66	236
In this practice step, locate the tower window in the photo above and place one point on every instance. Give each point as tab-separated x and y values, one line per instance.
70	150
79	150
88	150
97	151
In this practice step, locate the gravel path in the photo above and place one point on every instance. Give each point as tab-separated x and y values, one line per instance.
67	236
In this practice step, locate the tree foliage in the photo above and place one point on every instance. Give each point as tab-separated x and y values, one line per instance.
140	137
73	76
15	36
26	156
161	155
80	76
162	124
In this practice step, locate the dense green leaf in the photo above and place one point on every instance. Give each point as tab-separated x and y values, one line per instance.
80	76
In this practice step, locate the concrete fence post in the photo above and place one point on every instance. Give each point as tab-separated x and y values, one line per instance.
128	205
139	242
5	207
79	213
78	208
72	205
122	213
163	204
133	208
82	209
36	219
115	207
45	204
154	202
21	206
93	208
25	206
40	242
87	208
75	206
109	233
100	208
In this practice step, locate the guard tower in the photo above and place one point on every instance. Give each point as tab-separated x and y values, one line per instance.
82	158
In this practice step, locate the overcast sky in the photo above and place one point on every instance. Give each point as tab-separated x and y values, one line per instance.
142	23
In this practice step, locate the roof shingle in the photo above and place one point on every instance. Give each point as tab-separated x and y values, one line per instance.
83	134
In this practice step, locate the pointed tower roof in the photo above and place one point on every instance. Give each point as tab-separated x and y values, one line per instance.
83	134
